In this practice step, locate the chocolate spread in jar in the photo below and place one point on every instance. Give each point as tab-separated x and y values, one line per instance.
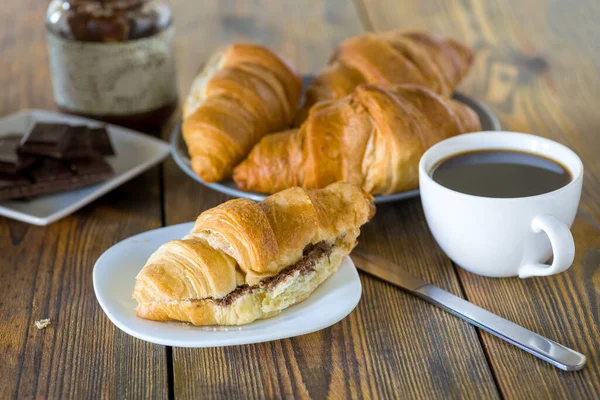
312	254
113	60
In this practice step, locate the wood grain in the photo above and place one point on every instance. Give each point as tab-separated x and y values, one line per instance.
46	272
392	344
538	67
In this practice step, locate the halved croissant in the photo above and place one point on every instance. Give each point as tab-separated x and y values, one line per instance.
245	261
372	138
386	58
241	94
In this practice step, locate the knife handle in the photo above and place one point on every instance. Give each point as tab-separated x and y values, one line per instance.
552	352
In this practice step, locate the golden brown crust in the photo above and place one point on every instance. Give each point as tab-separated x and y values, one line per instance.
258	304
242	93
195	271
372	138
387	58
242	243
266	237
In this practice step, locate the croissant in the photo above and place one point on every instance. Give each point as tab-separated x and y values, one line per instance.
392	57
244	261
242	93
372	138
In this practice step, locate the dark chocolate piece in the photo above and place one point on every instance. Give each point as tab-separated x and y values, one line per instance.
90	166
51	169
107	29
101	141
13	187
12	180
72	183
12	162
37	165
76	26
88	142
80	145
22	189
52	175
47	140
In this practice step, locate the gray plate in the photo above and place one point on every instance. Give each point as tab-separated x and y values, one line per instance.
179	151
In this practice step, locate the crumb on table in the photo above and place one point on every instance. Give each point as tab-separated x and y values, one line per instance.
42	323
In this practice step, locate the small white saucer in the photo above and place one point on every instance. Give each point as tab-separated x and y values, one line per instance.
136	152
114	279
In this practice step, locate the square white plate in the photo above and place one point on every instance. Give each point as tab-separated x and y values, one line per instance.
114	279
136	153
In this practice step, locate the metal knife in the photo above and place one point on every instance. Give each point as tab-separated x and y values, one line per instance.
548	350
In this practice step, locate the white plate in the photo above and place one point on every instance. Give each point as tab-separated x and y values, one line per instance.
114	279
179	151
136	153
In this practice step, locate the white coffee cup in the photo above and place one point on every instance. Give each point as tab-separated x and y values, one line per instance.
501	237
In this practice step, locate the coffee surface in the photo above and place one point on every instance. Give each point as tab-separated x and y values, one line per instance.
500	174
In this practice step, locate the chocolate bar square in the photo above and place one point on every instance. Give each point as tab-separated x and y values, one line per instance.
86	166
53	158
14	186
88	142
101	141
47	139
51	169
52	175
11	161
80	145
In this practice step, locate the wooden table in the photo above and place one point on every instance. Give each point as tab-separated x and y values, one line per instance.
538	68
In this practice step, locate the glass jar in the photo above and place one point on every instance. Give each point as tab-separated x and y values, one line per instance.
113	60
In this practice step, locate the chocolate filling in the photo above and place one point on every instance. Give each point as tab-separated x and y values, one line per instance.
311	255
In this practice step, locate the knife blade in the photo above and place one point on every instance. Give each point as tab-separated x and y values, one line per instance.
556	354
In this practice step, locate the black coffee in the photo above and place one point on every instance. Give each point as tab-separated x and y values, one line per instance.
499	173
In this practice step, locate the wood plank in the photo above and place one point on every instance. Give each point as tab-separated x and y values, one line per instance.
46	272
392	344
538	68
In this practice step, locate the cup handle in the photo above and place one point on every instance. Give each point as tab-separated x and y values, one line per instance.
563	247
